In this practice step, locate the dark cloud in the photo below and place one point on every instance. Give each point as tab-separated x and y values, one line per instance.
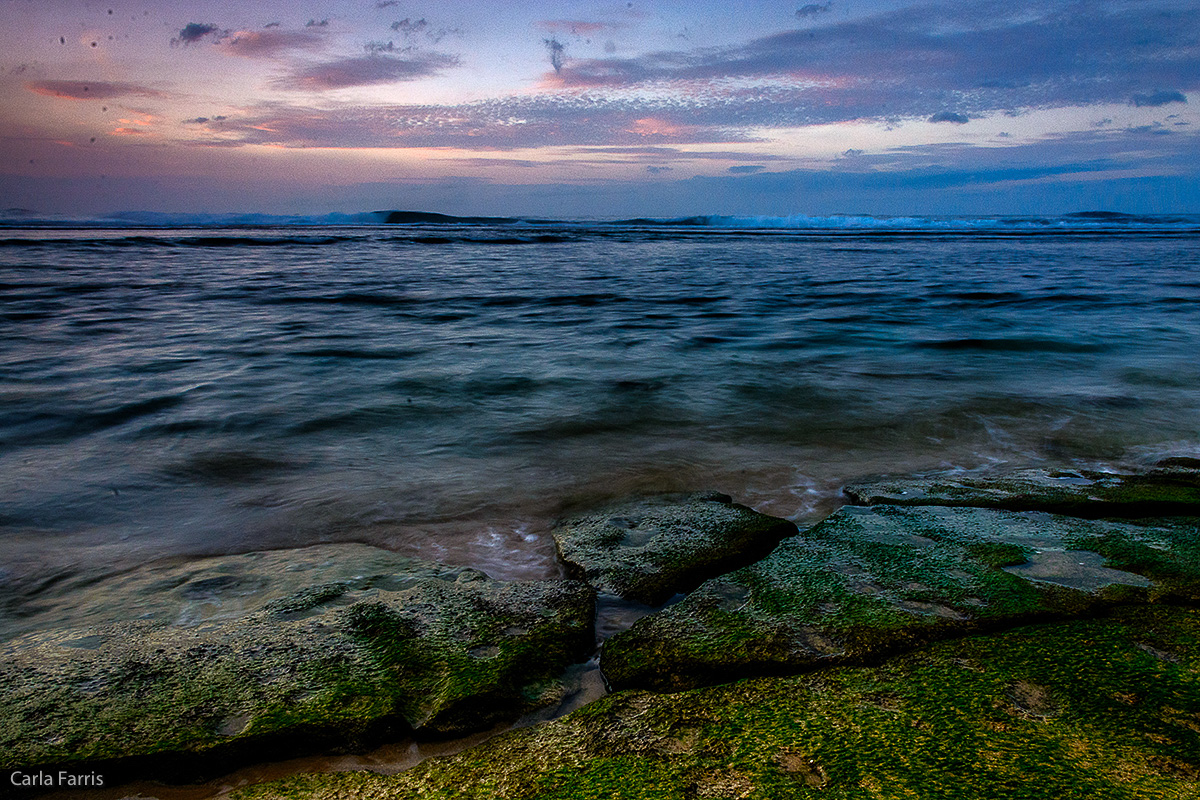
746	169
950	116
90	90
812	10
195	31
312	23
655	170
412	28
557	52
381	47
1158	98
366	70
409	26
272	25
387	3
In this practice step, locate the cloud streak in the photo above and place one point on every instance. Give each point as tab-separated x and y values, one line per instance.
269	43
365	70
90	90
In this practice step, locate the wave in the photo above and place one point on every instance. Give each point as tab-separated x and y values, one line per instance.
1076	221
427	228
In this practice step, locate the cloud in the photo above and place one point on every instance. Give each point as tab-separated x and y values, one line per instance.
1158	98
387	3
557	52
577	27
89	90
366	70
267	43
409	26
195	31
812	10
746	169
971	55
507	123
950	116
312	23
655	169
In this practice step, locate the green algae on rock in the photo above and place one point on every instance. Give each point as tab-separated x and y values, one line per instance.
1172	488
867	582
328	645
1101	708
646	549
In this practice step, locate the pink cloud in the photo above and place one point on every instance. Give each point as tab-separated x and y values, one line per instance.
89	90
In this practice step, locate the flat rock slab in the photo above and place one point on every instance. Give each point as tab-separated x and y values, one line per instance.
1104	708
284	650
646	549
1171	489
867	582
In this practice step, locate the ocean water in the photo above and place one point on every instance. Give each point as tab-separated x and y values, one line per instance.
446	389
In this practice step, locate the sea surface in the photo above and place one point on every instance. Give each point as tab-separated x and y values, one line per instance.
445	388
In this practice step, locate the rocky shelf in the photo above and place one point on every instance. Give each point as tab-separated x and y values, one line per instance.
1033	634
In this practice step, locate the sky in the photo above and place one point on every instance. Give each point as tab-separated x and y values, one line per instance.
600	109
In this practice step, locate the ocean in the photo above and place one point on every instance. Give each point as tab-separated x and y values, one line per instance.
445	388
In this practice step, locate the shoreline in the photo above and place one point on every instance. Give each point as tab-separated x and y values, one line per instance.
387	758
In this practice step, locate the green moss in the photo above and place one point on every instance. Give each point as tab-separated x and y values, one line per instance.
646	549
866	582
1085	493
438	656
1104	708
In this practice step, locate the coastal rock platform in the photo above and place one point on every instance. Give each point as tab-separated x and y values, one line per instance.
904	647
282	651
1171	488
1084	709
867	582
646	549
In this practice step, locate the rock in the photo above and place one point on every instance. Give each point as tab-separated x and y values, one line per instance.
867	582
1172	488
646	549
1095	708
273	652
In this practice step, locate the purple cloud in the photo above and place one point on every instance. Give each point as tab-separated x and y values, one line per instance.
366	70
978	57
950	116
267	43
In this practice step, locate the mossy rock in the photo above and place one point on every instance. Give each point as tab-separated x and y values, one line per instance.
867	582
1171	489
646	549
1102	709
363	643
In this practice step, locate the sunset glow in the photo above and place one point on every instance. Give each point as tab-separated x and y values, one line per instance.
678	108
